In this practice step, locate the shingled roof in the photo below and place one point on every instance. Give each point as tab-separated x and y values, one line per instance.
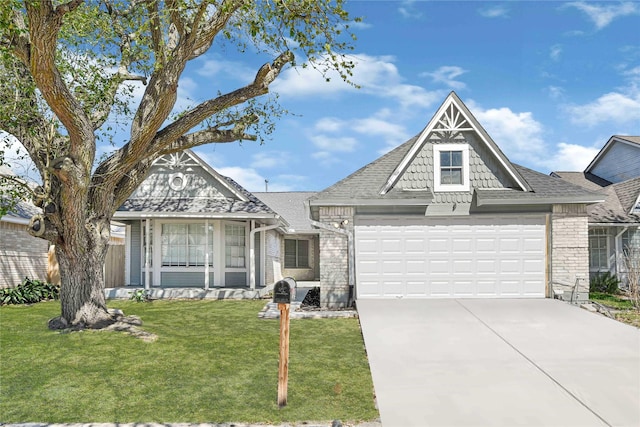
363	188
291	207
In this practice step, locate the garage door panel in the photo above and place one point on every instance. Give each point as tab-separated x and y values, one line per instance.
500	256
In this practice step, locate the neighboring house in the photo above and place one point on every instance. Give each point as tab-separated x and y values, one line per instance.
614	225
301	243
21	254
447	215
188	226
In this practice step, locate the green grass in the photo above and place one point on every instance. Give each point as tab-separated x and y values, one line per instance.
622	309
214	361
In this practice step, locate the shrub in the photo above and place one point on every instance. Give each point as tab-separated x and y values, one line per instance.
604	282
28	292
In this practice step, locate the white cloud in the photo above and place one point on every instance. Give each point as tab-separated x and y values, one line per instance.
329	124
570	157
408	10
619	108
271	159
251	180
555	52
334	144
447	75
555	92
16	158
325	158
518	135
376	75
602	16
234	69
499	11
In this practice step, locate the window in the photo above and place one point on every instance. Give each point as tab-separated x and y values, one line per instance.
451	167
296	253
598	250
235	243
186	245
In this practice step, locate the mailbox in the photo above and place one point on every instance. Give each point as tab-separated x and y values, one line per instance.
284	291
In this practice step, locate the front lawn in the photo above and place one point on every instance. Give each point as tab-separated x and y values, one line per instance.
621	308
214	361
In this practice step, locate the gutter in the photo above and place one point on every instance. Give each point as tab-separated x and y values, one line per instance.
350	245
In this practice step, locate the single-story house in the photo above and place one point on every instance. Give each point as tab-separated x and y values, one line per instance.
447	215
614	224
188	226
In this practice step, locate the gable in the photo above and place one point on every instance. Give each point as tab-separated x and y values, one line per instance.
183	176
485	172
485	166
619	160
182	184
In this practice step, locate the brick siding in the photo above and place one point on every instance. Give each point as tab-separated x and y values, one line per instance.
570	249
334	261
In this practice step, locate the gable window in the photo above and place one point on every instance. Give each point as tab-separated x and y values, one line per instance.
235	245
296	253
598	249
451	167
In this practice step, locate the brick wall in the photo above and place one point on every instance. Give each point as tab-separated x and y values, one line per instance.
334	261
21	255
570	249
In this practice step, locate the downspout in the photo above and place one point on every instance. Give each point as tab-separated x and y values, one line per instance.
350	246
252	252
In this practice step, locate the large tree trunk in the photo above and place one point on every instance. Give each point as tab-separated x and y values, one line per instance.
82	288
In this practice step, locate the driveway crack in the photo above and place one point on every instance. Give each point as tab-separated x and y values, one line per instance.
539	368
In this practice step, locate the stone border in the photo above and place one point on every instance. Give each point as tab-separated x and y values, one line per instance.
270	311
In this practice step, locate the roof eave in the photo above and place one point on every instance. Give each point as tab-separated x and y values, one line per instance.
537	201
370	202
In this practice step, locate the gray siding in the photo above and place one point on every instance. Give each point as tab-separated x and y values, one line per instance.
186	279
620	163
234	279
484	170
199	183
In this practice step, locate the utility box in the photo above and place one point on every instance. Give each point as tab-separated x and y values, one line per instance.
284	291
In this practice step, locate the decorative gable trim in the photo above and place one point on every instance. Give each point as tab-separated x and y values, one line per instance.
453	117
189	158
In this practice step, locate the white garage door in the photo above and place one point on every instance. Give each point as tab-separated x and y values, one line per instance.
465	257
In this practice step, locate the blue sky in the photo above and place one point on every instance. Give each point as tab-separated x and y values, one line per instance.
550	81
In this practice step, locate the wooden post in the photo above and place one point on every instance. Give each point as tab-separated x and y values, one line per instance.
283	366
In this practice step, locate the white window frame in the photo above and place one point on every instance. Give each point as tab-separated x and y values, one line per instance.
246	246
600	233
437	186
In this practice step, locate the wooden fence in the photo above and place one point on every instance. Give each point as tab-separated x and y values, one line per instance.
113	267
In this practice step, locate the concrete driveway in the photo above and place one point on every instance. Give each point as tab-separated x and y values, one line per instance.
522	362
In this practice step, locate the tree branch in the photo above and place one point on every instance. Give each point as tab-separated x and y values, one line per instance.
265	76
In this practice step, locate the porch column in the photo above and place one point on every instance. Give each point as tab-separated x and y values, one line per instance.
147	254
